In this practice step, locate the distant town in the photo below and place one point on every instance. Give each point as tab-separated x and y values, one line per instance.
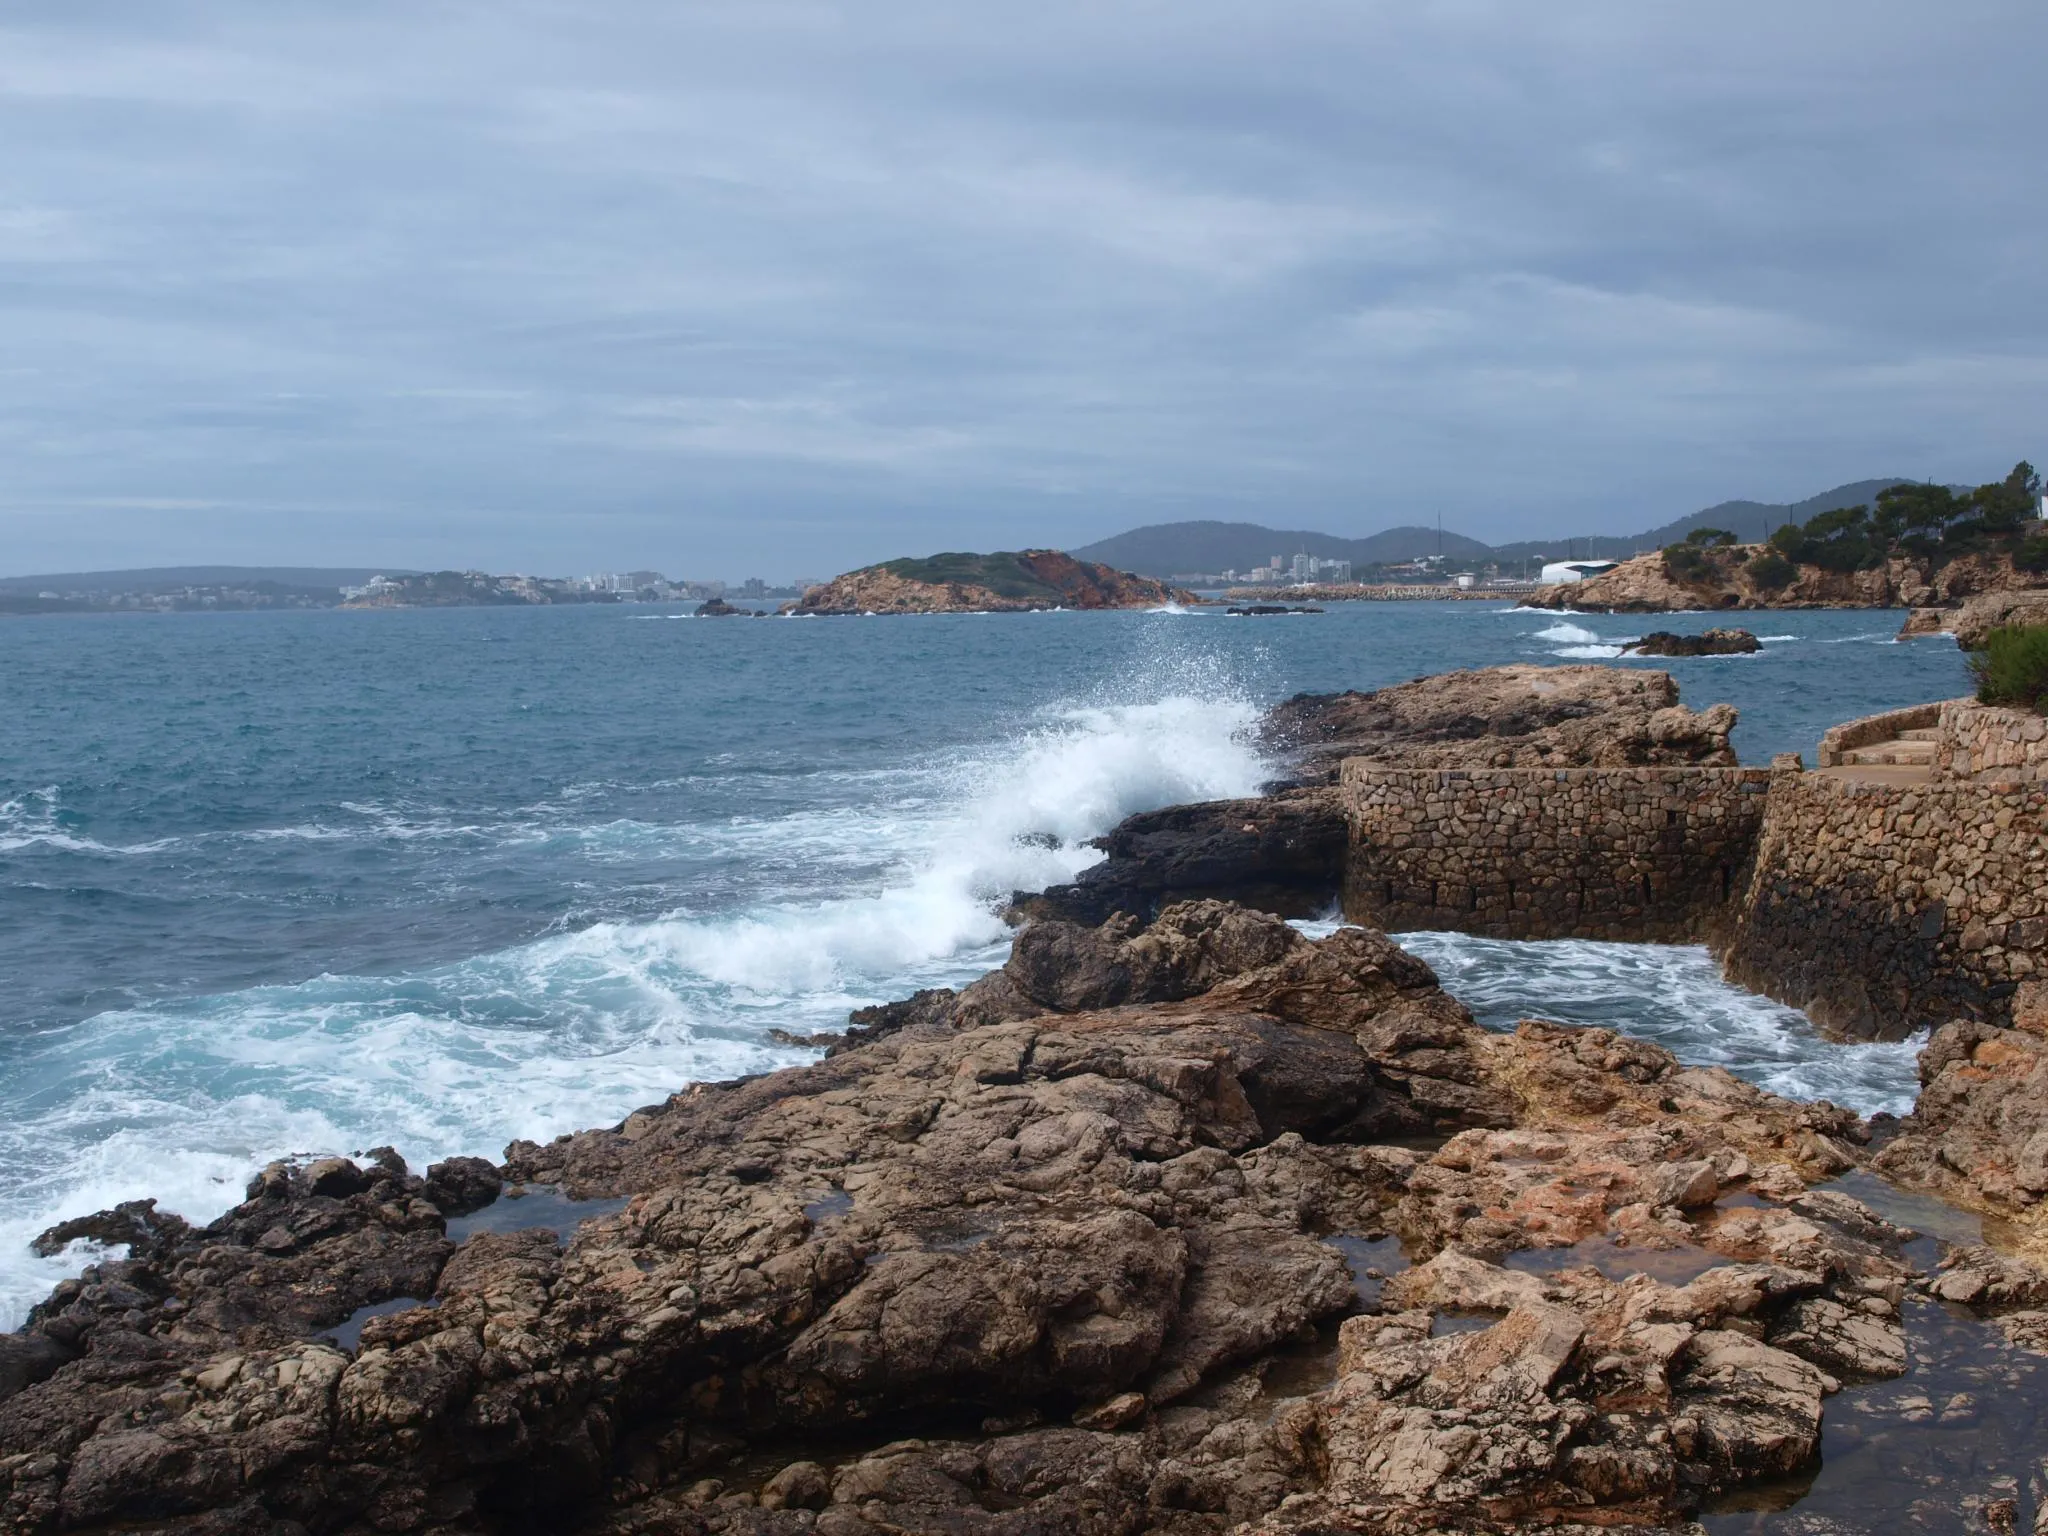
178	592
1310	570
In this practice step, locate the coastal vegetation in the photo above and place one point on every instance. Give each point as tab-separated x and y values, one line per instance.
2011	668
1928	523
1007	581
1910	545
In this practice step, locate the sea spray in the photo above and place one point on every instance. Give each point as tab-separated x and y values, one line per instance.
184	1100
1674	996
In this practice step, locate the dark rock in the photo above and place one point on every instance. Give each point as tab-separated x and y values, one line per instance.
462	1184
27	1358
136	1223
1282	854
1711	642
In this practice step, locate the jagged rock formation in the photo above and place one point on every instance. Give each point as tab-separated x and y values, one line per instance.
1505	717
1978	1136
1005	582
1978	616
1646	585
1097	1187
1708	642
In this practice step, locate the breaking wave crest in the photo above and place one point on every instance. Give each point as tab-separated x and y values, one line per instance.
183	1100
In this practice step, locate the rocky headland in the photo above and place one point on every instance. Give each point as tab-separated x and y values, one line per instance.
1728	579
1007	582
1179	1222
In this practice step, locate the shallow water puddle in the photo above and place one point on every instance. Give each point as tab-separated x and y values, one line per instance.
1675	1265
541	1205
1371	1260
1959	1443
350	1333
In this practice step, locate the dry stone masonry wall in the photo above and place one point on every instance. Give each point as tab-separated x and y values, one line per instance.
1981	741
1885	908
1880	908
1607	853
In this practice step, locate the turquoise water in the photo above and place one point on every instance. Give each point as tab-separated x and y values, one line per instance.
313	881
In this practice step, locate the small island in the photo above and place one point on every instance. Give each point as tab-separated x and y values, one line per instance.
1009	581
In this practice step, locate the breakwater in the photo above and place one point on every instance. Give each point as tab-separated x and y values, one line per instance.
1880	900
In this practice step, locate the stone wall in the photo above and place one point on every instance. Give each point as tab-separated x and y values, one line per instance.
1884	908
1851	734
1647	854
1982	741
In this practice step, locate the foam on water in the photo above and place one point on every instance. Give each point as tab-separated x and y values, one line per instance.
184	1100
1567	633
1673	995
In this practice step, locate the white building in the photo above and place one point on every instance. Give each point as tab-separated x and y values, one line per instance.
1574	570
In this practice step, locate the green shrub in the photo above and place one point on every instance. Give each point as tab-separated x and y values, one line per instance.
2032	555
1686	562
2012	668
1772	572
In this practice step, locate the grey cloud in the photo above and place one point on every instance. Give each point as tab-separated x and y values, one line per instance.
785	287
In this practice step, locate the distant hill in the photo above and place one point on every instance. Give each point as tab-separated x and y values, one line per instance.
1172	549
1749	521
169	577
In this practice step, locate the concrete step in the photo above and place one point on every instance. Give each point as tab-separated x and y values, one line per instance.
1892	754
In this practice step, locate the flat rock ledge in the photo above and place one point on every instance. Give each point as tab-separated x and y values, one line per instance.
1193	1226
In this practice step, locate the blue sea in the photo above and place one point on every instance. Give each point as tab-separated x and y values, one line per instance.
282	883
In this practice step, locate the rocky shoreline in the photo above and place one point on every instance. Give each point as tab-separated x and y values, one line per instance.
1179	1222
1646	584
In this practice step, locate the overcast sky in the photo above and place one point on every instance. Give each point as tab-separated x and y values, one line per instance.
780	288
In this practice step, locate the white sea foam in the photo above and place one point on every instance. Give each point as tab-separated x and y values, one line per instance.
1675	996
183	1101
1567	632
1589	652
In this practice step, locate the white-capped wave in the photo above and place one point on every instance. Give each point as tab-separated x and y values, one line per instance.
185	1100
1567	633
1590	652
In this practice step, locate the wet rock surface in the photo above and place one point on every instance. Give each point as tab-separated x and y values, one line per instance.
1105	1242
1978	1135
1709	642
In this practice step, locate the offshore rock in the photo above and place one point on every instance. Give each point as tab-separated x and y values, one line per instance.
1094	1223
1708	642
